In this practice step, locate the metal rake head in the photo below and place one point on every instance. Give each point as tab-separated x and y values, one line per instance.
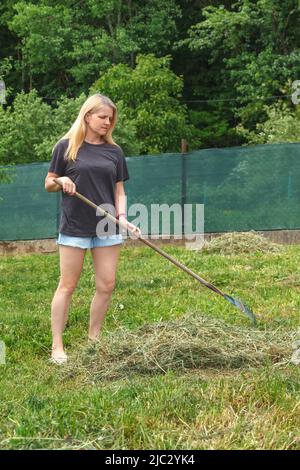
241	306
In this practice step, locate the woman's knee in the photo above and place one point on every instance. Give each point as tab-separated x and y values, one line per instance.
105	286
67	288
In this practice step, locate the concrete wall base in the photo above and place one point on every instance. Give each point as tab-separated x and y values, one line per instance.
8	248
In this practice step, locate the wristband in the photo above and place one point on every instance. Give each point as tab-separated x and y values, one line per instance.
119	215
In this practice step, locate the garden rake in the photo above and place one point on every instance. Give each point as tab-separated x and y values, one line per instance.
237	303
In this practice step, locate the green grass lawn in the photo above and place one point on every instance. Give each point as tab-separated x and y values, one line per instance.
251	408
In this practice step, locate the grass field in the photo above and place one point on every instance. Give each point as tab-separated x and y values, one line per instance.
245	408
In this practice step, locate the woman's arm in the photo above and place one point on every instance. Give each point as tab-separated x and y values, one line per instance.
50	186
68	185
120	200
120	204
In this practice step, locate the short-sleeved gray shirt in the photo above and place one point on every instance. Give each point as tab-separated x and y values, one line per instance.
97	169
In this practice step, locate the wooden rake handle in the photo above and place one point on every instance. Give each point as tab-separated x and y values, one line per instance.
104	213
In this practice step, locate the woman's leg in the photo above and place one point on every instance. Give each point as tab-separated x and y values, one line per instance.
105	263
71	262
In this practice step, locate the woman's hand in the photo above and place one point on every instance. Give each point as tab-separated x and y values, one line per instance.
134	229
67	185
130	226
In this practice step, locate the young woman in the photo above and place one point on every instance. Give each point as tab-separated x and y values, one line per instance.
87	160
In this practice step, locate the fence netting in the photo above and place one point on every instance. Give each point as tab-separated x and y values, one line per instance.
242	188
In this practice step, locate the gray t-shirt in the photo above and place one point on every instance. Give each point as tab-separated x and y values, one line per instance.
97	169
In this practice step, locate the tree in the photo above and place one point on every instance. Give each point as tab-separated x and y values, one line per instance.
150	96
282	125
23	126
45	34
63	48
254	47
63	116
30	128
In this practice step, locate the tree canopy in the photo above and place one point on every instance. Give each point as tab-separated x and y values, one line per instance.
218	74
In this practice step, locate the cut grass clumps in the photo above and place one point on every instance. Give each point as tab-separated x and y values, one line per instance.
241	242
191	342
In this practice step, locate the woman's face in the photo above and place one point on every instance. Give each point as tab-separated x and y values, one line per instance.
101	121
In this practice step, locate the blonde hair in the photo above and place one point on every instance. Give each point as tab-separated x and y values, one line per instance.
77	132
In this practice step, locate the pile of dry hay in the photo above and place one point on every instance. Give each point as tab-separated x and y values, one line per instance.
191	342
241	242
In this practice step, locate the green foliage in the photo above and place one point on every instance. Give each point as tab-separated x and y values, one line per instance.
232	57
282	125
7	175
23	126
213	130
45	35
257	76
72	45
255	46
150	95
154	25
221	30
5	67
125	133
30	128
62	118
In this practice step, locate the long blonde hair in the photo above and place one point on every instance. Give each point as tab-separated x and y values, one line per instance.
77	132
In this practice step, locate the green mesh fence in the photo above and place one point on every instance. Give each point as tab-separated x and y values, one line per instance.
242	188
27	211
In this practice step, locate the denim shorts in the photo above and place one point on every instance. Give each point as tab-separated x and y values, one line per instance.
89	242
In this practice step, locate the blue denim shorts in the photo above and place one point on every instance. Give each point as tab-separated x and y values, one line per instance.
89	242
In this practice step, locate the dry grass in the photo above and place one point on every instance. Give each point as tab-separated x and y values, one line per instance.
239	242
191	342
